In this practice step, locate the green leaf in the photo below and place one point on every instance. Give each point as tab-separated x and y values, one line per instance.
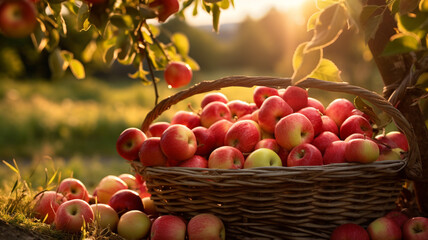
110	55
401	43
57	64
83	17
181	43
423	6
224	4
408	6
422	80
305	63
415	23
146	35
322	4
125	48
327	71
67	56
354	8
216	17
367	12
372	26
312	21
155	30
54	39
195	8
38	37
77	69
122	21
11	167
328	27
146	12
394	6
192	63
365	108
88	52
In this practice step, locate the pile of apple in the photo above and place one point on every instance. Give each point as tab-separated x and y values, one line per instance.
395	225
122	205
282	127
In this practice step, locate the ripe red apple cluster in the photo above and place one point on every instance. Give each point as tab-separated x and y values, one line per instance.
282	127
395	225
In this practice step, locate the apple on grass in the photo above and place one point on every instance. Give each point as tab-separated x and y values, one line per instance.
361	151
108	186
134	225
188	119
149	206
349	231
177	74
355	124
335	152
151	154
178	142
105	216
416	228
339	110
296	97
46	204
262	157
213	97
126	200
271	111
168	227
226	157
206	226
17	18
129	142
261	93
73	188
238	108
130	180
72	215
156	129
243	135
219	130
293	130
205	139
304	154
384	228
214	112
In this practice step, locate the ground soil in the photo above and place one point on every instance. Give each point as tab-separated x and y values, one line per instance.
10	231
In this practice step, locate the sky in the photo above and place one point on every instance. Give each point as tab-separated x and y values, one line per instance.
253	8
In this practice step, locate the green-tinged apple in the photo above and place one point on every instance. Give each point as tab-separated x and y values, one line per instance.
339	110
262	157
304	154
361	151
214	112
323	140
293	130
399	139
205	139
151	154
238	108
271	111
398	217
349	231
213	97
134	225
108	186
296	97
219	130
130	180
165	8
149	206
105	216
384	228
168	227
178	142
206	226
126	200
177	74
129	142
46	204
188	119
243	135
329	125
335	152
255	115
313	102
355	124
390	154
156	129
261	93
196	162
72	215
17	18
226	157
73	188
315	117
416	228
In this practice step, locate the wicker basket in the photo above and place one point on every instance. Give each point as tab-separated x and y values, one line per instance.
282	202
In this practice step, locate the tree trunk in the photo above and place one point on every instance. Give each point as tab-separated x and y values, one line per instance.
393	70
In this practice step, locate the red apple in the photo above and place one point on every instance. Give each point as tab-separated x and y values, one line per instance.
46	204
355	136
238	108
126	200
335	152
165	8
261	93
315	117
296	97
263	157
339	110
205	139
178	142
219	130
271	111
399	139
214	112
206	226
398	217
105	216
293	130
17	18
329	125
134	224
177	74
360	113
130	180
73	188
213	97
304	154
129	142
416	228
268	143
384	228
196	161
243	135
107	187
156	129
349	231
226	157
355	124
255	115
323	140
142	187
312	102
72	215
151	153
188	119
362	151
390	154
168	227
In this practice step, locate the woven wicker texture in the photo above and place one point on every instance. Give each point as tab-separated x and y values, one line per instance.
282	202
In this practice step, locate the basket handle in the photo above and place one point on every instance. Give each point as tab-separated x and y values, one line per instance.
413	169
